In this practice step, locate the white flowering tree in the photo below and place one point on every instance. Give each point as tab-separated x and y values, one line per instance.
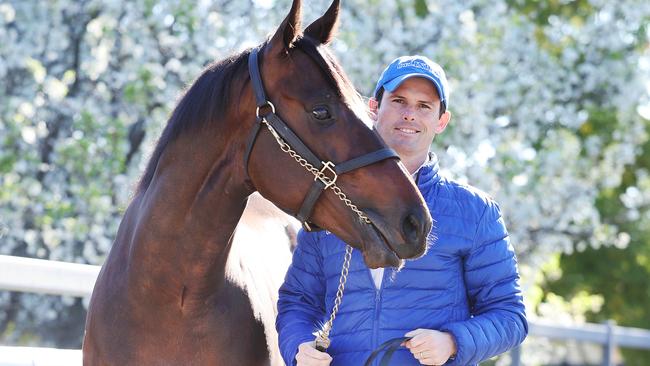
547	113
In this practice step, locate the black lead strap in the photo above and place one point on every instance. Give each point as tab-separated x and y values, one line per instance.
389	347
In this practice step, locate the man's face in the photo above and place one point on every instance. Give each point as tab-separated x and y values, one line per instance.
408	118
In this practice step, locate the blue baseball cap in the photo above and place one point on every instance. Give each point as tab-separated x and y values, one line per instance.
406	67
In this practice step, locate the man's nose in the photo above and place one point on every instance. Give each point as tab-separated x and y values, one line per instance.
408	114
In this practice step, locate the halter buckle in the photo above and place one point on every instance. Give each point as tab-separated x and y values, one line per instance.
327	181
266	104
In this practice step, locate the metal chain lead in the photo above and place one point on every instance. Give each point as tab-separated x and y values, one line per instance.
322	339
317	173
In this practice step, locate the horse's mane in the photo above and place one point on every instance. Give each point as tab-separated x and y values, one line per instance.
211	94
208	98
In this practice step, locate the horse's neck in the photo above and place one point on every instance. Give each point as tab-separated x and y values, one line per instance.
186	218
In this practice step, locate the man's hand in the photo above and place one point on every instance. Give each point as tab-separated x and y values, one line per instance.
431	347
310	356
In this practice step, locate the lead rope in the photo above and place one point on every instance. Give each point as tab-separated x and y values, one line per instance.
322	338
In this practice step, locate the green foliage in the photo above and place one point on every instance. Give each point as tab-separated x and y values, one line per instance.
620	275
541	11
421	8
602	123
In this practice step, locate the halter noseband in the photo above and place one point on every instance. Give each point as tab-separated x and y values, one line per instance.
325	173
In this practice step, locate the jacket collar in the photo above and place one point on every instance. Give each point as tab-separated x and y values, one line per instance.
428	174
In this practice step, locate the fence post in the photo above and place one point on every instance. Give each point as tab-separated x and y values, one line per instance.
608	348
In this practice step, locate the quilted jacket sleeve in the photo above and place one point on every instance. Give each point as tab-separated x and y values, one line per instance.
498	321
301	298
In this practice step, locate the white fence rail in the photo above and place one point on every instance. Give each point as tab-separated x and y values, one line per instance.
32	356
595	333
608	335
46	277
59	278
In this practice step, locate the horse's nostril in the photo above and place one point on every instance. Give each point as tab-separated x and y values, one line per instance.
411	227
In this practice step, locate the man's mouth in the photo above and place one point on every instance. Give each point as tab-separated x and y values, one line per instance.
406	130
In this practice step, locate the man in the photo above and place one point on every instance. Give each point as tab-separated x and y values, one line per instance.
461	302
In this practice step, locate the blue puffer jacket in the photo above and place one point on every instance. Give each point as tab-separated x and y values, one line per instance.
467	284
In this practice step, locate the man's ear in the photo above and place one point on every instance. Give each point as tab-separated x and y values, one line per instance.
324	28
443	121
373	108
288	31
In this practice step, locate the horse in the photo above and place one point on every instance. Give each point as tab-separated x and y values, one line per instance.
163	296
258	266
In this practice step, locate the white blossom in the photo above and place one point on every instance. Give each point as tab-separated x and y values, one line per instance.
76	75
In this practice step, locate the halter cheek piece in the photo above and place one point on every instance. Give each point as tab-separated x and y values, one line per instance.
328	172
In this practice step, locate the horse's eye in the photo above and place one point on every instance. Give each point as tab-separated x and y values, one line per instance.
321	113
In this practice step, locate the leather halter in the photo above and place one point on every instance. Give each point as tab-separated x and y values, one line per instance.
330	169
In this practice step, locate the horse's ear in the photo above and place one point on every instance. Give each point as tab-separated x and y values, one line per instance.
324	28
289	30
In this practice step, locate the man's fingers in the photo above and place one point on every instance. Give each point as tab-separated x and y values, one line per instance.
309	351
317	355
416	341
416	338
304	360
413	333
418	349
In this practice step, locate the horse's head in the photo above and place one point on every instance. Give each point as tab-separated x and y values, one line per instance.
308	90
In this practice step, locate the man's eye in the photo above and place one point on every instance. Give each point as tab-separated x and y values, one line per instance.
398	101
321	113
425	106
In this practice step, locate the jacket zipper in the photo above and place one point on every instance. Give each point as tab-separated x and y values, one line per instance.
375	321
